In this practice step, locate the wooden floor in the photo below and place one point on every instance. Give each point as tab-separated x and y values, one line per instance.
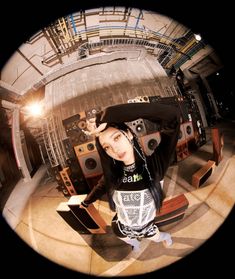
31	212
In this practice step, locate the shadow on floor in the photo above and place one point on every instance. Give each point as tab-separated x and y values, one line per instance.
111	248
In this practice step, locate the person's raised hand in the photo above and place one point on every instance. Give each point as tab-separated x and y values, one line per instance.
92	129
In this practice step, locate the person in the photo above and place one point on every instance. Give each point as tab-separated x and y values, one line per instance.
131	179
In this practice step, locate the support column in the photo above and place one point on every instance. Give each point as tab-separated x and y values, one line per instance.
17	146
211	98
200	107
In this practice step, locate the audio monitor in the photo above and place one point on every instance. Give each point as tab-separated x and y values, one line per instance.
89	159
67	181
203	174
218	144
88	216
172	210
64	211
150	142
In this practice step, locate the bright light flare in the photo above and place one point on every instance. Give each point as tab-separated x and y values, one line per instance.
35	109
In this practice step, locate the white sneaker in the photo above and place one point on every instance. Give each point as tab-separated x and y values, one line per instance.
168	242
135	244
135	248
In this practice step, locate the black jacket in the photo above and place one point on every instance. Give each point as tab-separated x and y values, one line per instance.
166	116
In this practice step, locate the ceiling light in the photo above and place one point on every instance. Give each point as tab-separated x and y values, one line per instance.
197	37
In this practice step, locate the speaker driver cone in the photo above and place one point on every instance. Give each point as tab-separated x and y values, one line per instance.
90	163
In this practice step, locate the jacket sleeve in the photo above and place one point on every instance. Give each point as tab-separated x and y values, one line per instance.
97	192
154	112
168	118
165	152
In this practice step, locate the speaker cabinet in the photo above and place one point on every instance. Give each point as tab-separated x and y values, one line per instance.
182	151
181	137
185	110
168	101
183	105
77	137
72	123
154	99
67	181
77	177
200	133
218	144
138	127
64	211
151	127
203	174
139	99
91	113
88	216
55	171
172	210
89	159
188	131
74	126
150	142
69	148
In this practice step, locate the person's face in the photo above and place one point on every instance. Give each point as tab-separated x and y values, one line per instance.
117	145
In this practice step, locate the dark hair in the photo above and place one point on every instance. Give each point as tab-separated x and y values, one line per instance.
113	169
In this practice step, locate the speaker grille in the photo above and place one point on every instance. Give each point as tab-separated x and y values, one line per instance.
90	163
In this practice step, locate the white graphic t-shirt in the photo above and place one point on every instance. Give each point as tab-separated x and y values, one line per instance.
135	206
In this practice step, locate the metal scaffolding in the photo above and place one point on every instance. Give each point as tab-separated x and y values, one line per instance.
52	141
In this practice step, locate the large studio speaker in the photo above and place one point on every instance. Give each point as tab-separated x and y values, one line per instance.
68	146
200	176
65	175
55	172
154	99
89	159
182	150
73	128
77	177
182	104
181	137
199	132
77	137
185	110
218	144
150	142
64	211
188	131
172	210
74	122
151	127
88	216
91	113
139	99
138	127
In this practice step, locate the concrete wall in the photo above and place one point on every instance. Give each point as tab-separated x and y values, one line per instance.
105	84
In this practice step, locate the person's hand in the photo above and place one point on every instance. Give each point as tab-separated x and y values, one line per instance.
83	205
92	129
90	124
